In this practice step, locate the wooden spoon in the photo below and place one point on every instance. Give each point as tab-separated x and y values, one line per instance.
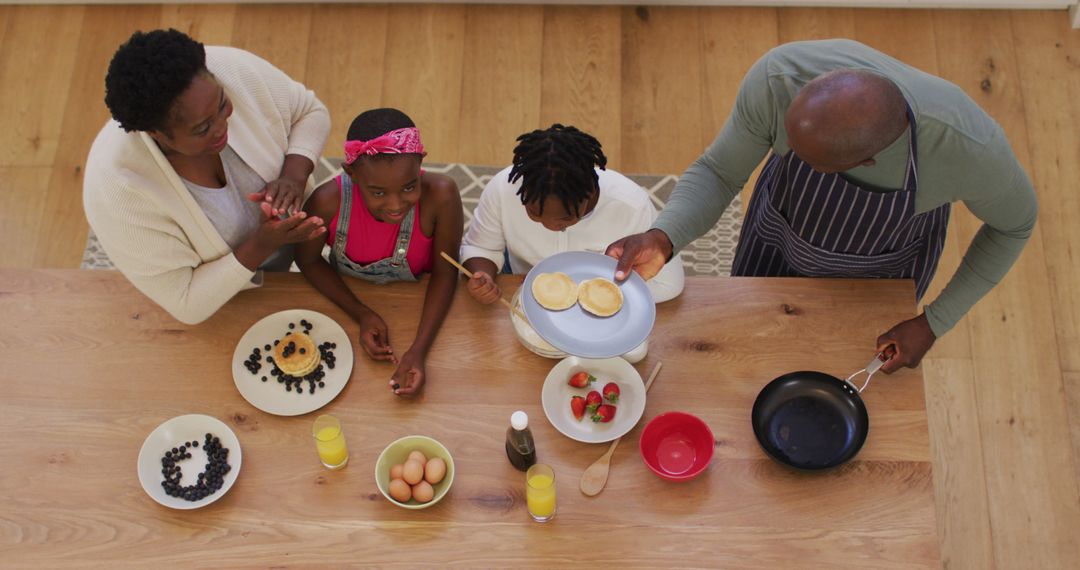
595	477
469	274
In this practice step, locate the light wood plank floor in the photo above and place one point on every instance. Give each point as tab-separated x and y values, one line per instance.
654	84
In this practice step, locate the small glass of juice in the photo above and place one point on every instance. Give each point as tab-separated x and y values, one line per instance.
540	492
330	442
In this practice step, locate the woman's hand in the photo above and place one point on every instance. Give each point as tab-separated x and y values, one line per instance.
274	233
410	375
375	336
284	195
483	288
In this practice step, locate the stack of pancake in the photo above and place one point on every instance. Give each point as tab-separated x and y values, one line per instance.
296	355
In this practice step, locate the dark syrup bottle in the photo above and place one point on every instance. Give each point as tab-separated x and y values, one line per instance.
520	447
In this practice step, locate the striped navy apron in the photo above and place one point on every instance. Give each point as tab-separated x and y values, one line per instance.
803	223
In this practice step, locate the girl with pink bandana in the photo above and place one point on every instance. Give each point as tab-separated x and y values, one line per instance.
388	221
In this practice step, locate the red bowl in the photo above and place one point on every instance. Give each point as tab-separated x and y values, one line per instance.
676	446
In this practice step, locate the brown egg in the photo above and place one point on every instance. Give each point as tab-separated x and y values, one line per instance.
413	472
423	492
400	491
417	455
397	471
435	470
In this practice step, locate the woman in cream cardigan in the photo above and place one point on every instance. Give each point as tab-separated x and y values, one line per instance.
196	184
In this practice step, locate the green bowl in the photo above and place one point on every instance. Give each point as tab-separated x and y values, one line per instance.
398	451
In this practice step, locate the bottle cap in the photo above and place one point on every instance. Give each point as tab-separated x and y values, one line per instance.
519	420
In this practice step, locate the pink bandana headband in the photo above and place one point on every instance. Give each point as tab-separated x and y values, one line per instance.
401	141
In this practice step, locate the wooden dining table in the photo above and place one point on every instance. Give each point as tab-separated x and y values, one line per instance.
90	367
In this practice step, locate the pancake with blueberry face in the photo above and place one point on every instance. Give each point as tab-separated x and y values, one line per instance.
599	296
296	355
555	291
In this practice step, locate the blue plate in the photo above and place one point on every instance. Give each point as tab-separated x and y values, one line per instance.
580	333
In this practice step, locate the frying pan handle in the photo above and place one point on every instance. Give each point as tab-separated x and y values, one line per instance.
879	360
871	368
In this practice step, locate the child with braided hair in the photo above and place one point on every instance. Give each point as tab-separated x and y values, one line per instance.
387	219
556	196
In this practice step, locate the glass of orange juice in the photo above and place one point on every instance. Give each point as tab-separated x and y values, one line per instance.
540	492
330	441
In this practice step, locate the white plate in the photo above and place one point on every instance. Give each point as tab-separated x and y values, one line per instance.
576	331
270	396
557	393
192	427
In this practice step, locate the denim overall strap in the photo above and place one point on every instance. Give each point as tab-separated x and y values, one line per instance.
393	268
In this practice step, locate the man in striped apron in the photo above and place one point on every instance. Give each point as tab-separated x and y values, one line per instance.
865	157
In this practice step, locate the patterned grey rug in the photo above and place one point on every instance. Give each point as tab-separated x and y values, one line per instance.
711	254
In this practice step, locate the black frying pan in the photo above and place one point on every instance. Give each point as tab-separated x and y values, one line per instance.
811	420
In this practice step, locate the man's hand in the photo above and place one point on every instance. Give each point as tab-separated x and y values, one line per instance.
645	253
910	340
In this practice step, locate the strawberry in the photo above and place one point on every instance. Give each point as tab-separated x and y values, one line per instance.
593	401
604	414
577	405
581	379
611	392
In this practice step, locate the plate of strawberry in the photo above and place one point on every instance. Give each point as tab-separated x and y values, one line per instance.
593	400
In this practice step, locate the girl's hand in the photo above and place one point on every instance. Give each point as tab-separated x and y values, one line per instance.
409	376
375	337
483	288
284	196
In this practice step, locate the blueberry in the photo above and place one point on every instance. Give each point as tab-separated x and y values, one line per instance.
292	326
267	348
303	351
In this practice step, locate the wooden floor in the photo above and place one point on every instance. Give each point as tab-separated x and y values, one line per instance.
654	84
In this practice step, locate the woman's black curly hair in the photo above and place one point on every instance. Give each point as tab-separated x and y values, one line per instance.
147	74
557	161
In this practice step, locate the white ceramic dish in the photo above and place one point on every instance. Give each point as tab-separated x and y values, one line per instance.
174	432
270	396
556	396
575	331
